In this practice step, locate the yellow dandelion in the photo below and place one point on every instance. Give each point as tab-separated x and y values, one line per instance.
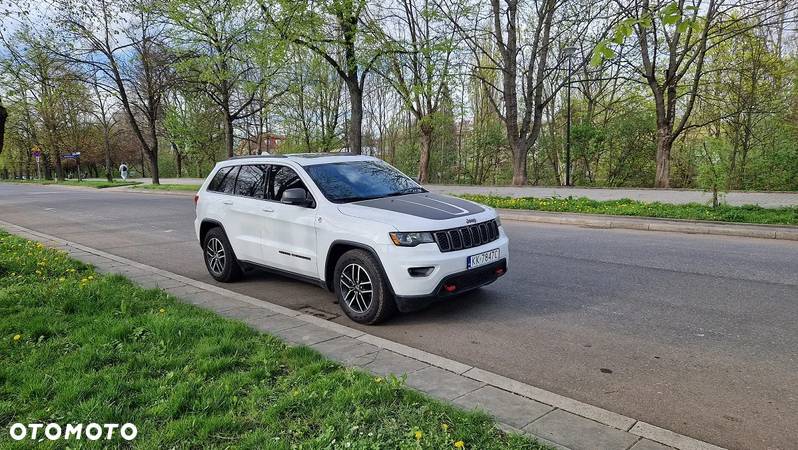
378	379
38	272
91	277
419	435
162	311
459	444
445	426
17	337
83	280
295	392
61	279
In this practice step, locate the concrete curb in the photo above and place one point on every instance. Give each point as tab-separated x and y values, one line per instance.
438	376
653	224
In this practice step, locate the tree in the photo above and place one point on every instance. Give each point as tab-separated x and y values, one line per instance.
331	28
673	39
526	56
123	41
228	54
420	44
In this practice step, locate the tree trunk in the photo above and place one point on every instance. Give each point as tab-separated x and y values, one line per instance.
153	157
664	144
178	161
228	135
356	120
59	168
109	174
426	144
519	162
3	117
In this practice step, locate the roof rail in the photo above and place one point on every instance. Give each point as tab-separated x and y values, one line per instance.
255	156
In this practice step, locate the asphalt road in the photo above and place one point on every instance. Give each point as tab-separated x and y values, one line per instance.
698	334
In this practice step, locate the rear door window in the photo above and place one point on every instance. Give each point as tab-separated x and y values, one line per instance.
251	181
228	184
217	179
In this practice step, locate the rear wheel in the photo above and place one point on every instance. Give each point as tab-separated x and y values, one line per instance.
220	260
361	288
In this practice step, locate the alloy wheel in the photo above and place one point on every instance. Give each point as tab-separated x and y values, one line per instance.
356	288
214	252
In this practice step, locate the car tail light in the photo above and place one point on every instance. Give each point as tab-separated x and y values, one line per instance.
450	287
196	199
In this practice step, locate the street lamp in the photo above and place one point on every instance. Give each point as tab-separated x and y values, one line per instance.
568	52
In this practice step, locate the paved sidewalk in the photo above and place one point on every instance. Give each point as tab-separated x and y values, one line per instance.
676	196
551	418
784	232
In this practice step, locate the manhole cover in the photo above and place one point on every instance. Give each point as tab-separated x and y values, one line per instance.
318	313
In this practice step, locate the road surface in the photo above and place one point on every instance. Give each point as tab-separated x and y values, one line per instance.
698	334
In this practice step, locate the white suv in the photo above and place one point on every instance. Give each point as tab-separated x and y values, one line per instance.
352	224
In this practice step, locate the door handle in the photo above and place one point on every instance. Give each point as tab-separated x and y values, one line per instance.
268	210
228	203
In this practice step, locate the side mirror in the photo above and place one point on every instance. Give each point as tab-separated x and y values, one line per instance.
296	196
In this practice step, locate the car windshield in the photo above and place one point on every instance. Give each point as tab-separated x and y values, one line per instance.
360	180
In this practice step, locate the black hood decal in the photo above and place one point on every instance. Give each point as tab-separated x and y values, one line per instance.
426	205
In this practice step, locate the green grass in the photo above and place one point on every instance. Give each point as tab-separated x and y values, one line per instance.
85	183
169	187
625	207
79	347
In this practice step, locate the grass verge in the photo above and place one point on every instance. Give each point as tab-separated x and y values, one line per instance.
79	347
169	187
85	183
691	211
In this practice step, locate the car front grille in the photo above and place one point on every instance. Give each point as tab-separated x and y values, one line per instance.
467	237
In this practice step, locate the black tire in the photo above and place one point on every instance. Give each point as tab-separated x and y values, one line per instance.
219	258
359	268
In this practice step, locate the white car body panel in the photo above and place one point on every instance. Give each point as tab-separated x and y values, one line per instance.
297	239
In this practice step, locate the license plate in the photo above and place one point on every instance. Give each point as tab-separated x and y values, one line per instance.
483	258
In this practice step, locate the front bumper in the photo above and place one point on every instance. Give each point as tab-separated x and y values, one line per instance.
454	284
398	261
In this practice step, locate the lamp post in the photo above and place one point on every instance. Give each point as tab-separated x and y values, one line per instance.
568	52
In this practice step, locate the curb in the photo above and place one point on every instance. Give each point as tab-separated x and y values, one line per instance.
654	224
642	432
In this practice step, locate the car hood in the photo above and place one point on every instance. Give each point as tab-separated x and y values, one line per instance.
418	212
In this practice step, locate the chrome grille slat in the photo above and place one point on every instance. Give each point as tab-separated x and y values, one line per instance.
466	237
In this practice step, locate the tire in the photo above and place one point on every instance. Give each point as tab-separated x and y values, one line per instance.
219	258
355	272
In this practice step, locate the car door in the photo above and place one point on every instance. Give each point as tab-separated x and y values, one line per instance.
248	213
290	234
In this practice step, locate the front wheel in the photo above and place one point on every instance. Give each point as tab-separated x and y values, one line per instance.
361	288
219	257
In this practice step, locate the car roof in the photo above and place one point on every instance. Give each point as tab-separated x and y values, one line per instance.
304	159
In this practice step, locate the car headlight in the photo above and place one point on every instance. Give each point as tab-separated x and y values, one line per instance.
411	239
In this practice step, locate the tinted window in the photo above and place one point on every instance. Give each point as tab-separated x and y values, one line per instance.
360	180
283	178
217	179
228	184
251	181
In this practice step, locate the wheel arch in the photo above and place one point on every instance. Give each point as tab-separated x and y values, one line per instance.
337	249
207	225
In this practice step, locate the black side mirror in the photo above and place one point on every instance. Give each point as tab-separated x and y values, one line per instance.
296	196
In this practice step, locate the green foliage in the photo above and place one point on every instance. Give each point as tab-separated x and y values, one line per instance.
76	346
626	207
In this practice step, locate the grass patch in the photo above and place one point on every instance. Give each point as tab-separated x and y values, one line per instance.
85	183
692	211
169	187
79	347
